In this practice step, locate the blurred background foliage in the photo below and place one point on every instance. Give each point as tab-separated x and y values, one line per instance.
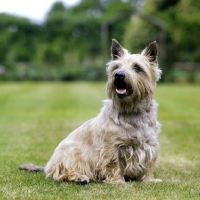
73	43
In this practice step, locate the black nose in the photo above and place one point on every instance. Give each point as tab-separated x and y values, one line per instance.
120	75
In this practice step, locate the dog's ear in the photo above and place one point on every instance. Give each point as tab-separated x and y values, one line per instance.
151	51
116	50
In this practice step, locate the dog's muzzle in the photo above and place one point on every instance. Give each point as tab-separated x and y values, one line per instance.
122	88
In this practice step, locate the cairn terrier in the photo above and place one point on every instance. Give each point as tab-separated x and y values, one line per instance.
121	143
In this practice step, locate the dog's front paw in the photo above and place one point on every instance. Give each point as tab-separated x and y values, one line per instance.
153	180
115	182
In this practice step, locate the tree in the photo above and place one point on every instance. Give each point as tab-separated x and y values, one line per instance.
71	41
18	39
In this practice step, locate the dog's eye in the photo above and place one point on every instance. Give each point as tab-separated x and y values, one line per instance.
115	67
137	68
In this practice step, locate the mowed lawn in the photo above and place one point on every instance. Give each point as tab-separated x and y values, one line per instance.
35	117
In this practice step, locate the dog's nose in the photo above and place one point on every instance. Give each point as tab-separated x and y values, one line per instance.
120	75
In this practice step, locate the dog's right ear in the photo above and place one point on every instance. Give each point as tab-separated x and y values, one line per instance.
116	50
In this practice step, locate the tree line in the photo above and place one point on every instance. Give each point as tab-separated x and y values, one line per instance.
74	42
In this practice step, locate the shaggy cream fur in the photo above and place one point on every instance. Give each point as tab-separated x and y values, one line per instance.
121	142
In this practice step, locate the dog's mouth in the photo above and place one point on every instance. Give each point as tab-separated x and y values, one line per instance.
123	90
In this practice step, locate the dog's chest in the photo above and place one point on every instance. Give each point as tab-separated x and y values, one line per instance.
140	139
138	150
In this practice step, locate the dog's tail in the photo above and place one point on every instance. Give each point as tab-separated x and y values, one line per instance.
31	167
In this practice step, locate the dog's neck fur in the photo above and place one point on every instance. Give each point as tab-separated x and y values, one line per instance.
143	108
132	107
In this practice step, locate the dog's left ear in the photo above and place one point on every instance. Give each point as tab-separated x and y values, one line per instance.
116	50
151	51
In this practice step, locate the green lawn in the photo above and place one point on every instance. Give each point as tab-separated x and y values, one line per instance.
35	117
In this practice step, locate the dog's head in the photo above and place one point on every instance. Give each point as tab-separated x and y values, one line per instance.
132	77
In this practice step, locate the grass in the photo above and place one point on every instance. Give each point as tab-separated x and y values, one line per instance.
35	117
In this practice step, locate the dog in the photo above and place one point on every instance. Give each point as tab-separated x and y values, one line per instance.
120	144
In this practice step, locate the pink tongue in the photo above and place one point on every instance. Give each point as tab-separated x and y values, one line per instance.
121	91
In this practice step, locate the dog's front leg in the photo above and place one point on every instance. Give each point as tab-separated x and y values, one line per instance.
148	173
115	176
